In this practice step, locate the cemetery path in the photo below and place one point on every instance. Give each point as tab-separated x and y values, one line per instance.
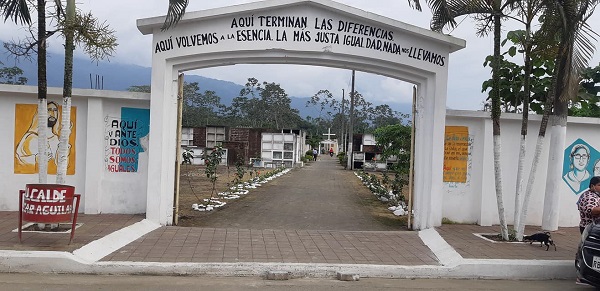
320	196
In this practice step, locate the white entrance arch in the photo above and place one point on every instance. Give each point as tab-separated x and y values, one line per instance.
309	32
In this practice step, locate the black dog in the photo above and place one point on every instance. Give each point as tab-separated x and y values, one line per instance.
542	237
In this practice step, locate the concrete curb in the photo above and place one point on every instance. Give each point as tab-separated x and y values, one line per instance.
446	255
100	248
482	269
518	269
452	264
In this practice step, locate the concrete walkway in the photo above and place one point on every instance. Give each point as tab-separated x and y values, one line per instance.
302	238
319	196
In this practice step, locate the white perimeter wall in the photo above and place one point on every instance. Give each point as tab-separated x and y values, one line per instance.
475	200
102	191
106	192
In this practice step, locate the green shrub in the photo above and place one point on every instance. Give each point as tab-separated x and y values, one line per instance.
342	158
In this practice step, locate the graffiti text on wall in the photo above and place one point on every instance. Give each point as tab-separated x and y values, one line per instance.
124	138
456	154
286	28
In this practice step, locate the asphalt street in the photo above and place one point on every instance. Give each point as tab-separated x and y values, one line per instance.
61	282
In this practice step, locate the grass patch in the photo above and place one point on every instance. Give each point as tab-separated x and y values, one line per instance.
379	211
446	220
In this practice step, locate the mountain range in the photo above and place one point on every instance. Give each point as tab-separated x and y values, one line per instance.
119	77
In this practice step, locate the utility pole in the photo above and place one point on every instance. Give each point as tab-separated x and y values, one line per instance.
178	149
411	175
350	164
343	149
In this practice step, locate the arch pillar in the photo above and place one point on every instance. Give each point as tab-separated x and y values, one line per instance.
212	38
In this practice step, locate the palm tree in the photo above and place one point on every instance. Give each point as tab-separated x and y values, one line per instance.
18	11
489	14
528	11
65	131
42	93
531	44
99	43
566	20
175	12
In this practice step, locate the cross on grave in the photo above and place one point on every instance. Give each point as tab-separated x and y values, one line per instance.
329	134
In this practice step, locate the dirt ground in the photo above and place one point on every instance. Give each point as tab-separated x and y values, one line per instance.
195	186
379	209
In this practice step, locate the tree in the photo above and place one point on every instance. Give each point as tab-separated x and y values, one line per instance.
513	87
314	140
16	10
587	98
515	84
585	104
512	83
367	118
489	13
19	11
383	115
278	104
12	76
395	141
175	12
264	105
212	160
543	47
362	107
329	113
326	104
65	132
565	20
99	42
139	88
201	109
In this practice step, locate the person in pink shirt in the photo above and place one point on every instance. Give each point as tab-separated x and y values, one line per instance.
589	204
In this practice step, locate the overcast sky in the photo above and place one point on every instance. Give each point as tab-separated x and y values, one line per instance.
465	66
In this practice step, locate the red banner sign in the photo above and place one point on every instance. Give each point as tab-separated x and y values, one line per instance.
48	203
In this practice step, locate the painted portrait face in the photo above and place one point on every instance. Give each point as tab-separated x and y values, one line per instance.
52	114
580	158
597	168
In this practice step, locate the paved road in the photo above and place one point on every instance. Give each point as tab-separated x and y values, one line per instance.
147	283
319	196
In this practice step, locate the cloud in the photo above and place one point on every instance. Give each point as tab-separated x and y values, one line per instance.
466	72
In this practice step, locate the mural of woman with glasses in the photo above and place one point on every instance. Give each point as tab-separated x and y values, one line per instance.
597	167
579	159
